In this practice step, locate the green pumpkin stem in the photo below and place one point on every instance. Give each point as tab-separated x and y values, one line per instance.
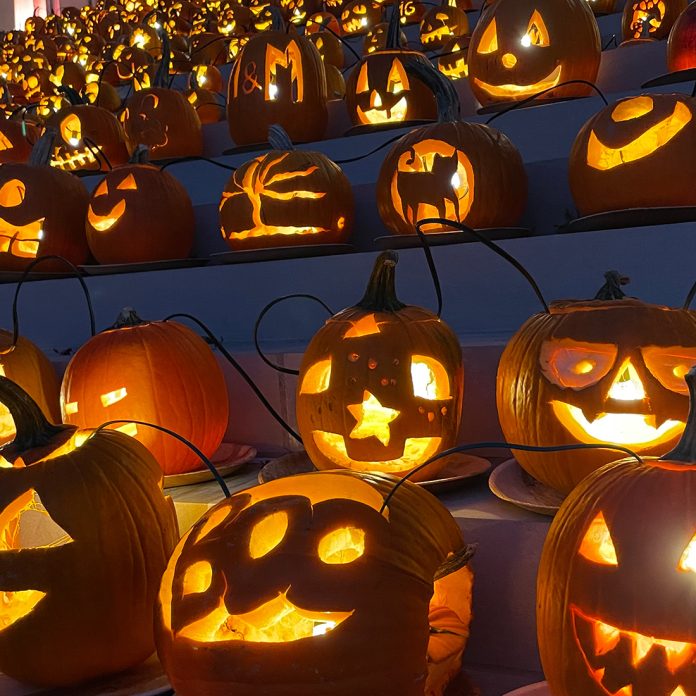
127	317
278	138
43	148
380	295
611	290
443	89
685	451
33	429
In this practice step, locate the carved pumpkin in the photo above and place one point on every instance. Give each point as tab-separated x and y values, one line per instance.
42	212
452	62
320	21
521	47
615	611
379	89
82	517
286	197
158	372
650	18
207	77
628	143
440	24
376	38
465	172
330	48
681	44
278	78
16	139
594	371
411	11
208	48
359	16
381	384
123	199
304	576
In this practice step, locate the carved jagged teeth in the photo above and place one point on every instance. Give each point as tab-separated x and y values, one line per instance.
641	646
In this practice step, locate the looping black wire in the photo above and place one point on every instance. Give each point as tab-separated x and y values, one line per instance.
97	152
509	445
242	372
179	160
527	100
22	280
431	262
690	297
213	469
265	310
493	247
371	152
612	39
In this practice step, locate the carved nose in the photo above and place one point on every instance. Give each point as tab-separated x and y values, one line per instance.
509	60
375	100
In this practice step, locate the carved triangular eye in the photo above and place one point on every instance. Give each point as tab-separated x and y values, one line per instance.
489	39
688	560
597	545
128	184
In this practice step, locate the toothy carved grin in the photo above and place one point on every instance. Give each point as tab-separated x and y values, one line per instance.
74	160
384	115
518	91
615	658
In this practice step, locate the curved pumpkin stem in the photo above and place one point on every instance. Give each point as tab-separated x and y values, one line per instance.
394	27
72	95
33	429
685	451
611	290
278	138
443	89
162	74
141	155
380	295
127	317
43	148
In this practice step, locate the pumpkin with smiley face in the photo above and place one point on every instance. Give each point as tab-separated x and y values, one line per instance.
312	585
651	19
441	24
616	599
381	385
604	370
630	142
123	199
359	16
522	47
82	517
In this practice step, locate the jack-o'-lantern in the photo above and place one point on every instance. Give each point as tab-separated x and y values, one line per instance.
411	11
89	138
380	385
630	142
321	21
69	75
286	197
465	172
681	44
16	139
235	46
123	199
152	371
615	597
452	62
278	78
207	77
82	517
651	19
42	211
309	577
208	48
440	24
101	94
113	27
595	371
330	48
376	38
209	105
602	7
380	90
359	16
146	38
521	47
129	64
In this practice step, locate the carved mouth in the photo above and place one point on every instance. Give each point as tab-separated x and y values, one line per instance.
21	241
275	621
71	161
416	451
435	34
616	659
518	91
103	223
384	115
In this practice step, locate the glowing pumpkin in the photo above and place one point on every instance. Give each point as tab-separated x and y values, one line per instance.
380	385
304	576
681	44
16	141
650	18
441	24
616	603
359	16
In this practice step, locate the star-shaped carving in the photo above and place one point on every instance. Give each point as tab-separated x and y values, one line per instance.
372	418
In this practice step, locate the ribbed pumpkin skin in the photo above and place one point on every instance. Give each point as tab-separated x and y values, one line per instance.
158	222
16	134
172	379
681	44
499	178
623	186
96	618
304	172
649	510
524	394
387	588
250	113
31	369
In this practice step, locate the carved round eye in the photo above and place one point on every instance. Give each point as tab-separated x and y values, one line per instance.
429	377
267	534
670	365
71	130
343	545
197	578
12	193
574	364
597	545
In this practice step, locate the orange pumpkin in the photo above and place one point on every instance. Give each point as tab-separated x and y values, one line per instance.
651	19
681	44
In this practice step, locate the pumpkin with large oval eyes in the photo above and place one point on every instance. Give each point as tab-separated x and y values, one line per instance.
607	370
521	47
381	385
616	605
304	576
628	143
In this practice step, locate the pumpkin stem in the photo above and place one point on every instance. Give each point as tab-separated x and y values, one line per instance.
71	95
162	74
380	295
127	317
456	561
277	21
278	138
394	27
685	451
43	148
33	429
611	290
443	89
141	155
